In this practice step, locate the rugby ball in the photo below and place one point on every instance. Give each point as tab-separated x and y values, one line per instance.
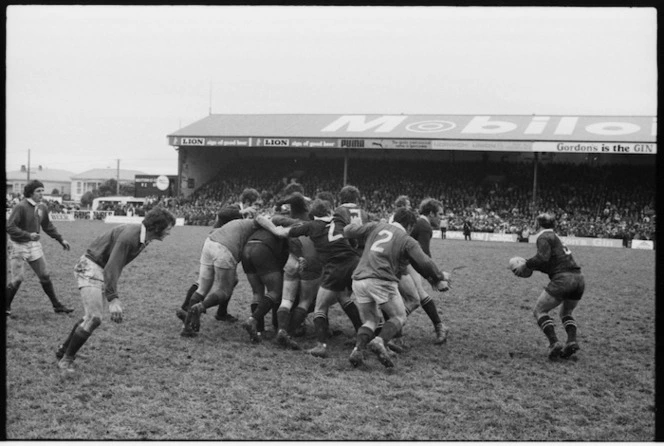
517	262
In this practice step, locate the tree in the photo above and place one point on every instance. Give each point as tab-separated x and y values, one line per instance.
110	188
86	199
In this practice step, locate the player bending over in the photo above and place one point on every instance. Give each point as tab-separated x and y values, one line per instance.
98	271
376	284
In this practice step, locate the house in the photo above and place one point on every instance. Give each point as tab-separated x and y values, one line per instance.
92	179
56	181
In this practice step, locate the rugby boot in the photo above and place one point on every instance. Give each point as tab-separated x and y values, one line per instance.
378	347
555	350
356	357
251	325
194	316
60	352
181	314
441	333
319	351
66	366
397	345
570	348
286	341
226	318
62	309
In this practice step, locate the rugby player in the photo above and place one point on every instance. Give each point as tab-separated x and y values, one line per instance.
375	280
302	273
410	283
218	268
339	260
23	226
98	271
263	259
565	288
247	208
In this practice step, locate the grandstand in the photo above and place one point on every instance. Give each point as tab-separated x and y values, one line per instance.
596	173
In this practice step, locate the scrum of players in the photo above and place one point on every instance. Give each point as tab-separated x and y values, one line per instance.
303	257
306	255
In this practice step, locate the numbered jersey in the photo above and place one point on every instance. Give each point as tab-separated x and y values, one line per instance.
552	256
386	244
329	246
346	214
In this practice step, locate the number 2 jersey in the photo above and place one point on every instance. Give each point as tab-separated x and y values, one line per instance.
552	257
386	246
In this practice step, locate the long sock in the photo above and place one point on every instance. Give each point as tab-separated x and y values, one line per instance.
77	340
321	326
364	335
263	307
390	329
353	314
546	324
222	310
50	292
570	327
195	298
71	334
275	321
260	323
430	308
283	318
187	299
296	319
11	292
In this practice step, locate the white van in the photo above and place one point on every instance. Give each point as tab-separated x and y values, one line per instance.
122	201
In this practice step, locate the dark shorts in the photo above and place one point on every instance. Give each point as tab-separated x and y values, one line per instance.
258	258
337	275
566	286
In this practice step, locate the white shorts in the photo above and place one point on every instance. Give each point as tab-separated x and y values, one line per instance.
28	251
375	290
89	274
216	254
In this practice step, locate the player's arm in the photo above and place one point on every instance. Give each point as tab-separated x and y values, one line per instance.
282	220
356	230
116	262
424	265
16	219
300	229
49	228
539	260
266	223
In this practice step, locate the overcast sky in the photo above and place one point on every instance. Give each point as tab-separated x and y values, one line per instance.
88	85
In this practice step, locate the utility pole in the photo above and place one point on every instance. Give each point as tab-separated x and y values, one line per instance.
117	181
28	165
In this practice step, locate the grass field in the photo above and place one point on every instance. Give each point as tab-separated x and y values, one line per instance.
492	380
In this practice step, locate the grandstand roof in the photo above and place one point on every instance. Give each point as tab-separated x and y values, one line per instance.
528	128
99	174
45	174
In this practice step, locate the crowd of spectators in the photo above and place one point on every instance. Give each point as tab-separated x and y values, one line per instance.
606	201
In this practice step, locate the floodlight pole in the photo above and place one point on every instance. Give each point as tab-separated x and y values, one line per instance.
535	163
